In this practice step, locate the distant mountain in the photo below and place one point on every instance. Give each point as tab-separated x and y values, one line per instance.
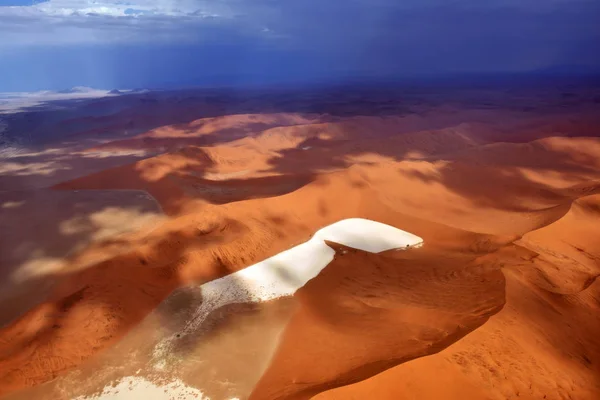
77	89
115	91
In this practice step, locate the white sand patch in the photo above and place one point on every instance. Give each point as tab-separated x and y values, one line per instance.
285	273
135	387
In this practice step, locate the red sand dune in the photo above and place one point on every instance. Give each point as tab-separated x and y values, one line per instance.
501	302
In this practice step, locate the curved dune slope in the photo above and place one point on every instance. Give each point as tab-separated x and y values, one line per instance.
366	313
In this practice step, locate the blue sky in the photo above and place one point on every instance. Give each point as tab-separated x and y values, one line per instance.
156	43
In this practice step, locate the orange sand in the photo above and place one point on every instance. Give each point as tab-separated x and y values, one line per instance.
502	300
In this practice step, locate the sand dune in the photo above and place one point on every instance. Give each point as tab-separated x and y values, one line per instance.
501	302
559	352
283	274
426	307
205	131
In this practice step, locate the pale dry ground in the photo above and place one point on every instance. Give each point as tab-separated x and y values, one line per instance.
501	302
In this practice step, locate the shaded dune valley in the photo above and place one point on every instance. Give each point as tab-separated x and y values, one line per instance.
422	246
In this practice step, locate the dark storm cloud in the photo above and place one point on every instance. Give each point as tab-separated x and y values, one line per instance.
196	41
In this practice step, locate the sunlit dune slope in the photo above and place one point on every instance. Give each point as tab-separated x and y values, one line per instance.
542	344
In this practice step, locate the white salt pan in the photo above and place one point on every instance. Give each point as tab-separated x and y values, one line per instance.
134	387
